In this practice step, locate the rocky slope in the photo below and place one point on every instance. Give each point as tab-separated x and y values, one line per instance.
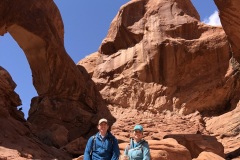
16	138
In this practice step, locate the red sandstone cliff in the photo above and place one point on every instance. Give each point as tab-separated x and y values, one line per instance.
158	66
159	58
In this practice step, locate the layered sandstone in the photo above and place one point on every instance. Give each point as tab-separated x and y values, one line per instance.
170	60
229	15
158	58
159	66
67	97
16	139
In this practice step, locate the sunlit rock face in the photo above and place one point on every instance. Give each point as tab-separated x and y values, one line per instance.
227	125
229	16
38	29
157	56
158	66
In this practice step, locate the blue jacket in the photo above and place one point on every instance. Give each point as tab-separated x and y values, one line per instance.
102	149
138	151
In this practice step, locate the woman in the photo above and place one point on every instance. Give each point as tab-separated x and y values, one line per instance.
138	149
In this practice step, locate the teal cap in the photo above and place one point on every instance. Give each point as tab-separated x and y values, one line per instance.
138	127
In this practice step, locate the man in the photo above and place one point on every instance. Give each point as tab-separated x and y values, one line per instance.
103	145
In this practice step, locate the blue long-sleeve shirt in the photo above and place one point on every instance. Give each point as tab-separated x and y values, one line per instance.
138	151
99	148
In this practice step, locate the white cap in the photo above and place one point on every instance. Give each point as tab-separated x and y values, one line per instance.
102	120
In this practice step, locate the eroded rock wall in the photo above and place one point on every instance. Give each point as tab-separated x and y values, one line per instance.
170	60
67	97
16	138
158	57
157	61
229	16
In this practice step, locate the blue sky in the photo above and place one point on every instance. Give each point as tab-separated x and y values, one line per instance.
86	24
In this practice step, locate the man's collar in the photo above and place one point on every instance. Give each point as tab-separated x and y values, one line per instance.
101	136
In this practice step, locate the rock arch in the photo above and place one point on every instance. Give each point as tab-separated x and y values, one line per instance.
67	95
38	29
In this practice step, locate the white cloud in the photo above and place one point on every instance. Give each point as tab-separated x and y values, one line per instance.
213	20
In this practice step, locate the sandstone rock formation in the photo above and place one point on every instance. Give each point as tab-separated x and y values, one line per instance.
170	59
16	139
229	15
60	84
158	58
169	135
159	66
208	155
67	97
197	143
